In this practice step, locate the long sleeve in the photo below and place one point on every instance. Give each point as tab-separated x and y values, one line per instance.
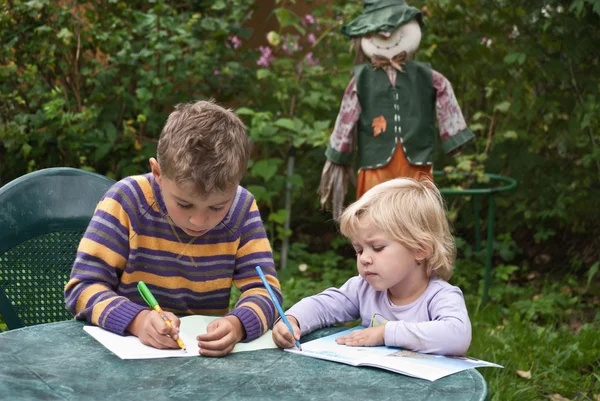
329	307
341	142
448	332
255	309
451	122
101	258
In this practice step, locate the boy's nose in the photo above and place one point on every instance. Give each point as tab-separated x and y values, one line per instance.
199	221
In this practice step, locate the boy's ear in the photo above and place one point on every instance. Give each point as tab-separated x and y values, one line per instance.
155	169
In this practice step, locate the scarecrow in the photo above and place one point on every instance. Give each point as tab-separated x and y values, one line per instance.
390	106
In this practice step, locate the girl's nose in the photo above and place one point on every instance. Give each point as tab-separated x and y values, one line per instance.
365	259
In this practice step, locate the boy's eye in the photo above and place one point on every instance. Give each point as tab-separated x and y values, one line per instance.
188	206
217	209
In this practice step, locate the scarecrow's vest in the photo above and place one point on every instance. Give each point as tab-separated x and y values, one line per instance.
403	114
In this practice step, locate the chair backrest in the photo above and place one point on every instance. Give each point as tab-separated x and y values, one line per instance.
43	216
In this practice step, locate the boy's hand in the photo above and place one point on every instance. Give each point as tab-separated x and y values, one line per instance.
370	337
149	327
281	334
221	336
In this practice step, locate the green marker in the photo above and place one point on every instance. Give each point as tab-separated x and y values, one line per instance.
151	301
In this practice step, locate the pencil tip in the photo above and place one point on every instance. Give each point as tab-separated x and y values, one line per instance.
300	347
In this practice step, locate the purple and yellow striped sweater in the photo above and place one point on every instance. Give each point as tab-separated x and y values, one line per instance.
129	239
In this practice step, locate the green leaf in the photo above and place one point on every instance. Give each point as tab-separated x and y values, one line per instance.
286	123
279	216
478	115
464	165
262	73
510	135
219	5
25	149
102	151
260	193
143	94
265	169
596	7
512	58
322	125
286	17
245	111
110	131
300	29
502	107
65	35
591	273
477	127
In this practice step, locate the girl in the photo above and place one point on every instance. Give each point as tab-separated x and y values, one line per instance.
404	254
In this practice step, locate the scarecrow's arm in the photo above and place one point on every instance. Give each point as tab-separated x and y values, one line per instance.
453	128
338	170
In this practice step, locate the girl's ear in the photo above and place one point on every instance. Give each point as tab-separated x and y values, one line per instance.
423	254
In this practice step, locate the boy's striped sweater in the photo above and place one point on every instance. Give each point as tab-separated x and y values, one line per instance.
130	239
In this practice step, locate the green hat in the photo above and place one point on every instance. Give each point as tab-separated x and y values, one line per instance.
381	15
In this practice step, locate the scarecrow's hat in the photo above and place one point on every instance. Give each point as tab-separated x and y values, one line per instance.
381	15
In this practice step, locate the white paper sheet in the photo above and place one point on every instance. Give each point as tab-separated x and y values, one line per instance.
130	347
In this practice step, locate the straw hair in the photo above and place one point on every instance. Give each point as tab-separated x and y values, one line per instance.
413	213
205	145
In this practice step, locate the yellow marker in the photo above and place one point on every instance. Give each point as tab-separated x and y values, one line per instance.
150	300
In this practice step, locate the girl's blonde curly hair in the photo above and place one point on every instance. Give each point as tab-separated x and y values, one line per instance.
413	213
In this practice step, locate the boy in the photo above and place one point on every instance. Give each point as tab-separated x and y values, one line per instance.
188	230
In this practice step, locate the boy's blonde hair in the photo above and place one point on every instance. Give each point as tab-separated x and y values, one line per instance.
413	213
205	145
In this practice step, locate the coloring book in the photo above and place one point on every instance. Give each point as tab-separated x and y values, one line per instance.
425	366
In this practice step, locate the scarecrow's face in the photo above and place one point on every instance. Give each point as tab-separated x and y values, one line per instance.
405	38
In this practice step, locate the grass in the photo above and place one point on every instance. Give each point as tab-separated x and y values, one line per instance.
552	358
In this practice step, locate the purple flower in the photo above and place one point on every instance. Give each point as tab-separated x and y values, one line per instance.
216	72
311	61
290	45
309	19
235	41
311	38
266	56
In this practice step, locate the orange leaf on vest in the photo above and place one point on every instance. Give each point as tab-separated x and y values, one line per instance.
379	125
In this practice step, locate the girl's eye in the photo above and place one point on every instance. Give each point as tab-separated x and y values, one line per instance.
188	206
217	209
378	249
358	252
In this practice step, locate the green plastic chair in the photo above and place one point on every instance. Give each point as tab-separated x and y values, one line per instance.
43	216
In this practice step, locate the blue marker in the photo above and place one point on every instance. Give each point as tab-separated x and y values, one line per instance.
279	309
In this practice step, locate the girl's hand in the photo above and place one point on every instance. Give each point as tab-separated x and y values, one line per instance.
281	334
149	327
370	337
221	336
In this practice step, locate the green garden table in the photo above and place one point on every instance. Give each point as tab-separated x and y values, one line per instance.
59	361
